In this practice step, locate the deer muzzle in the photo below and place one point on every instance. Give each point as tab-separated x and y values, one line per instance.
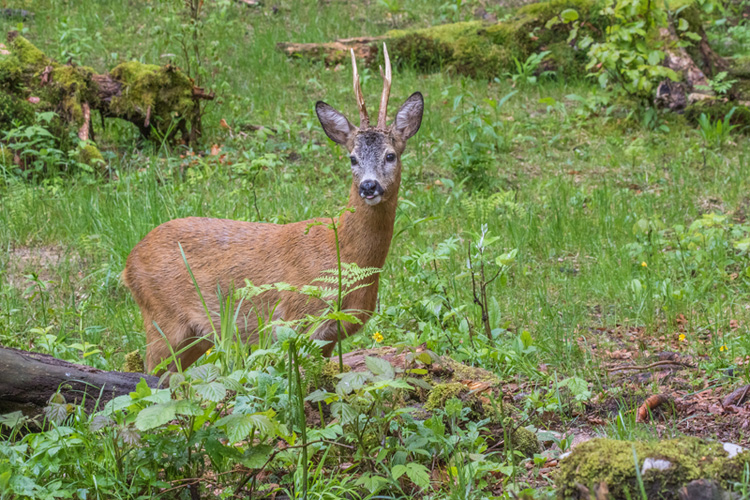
371	191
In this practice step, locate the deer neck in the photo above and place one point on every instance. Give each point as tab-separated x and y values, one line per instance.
365	234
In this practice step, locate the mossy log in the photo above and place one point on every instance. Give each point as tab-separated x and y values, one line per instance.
160	98
680	468
477	48
484	50
28	380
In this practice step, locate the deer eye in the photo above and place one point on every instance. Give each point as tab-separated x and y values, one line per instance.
390	157
354	160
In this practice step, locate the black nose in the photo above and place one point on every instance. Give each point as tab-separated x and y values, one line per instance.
370	189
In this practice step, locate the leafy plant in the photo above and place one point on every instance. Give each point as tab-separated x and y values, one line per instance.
483	134
33	152
482	274
716	134
525	73
720	84
625	58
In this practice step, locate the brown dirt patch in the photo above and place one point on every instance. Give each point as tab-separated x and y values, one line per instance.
45	261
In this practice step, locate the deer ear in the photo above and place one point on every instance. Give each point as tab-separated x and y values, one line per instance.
335	125
409	117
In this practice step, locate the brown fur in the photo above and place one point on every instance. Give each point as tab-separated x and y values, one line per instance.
226	252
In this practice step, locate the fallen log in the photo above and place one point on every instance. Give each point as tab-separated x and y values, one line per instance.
335	52
487	50
153	98
28	380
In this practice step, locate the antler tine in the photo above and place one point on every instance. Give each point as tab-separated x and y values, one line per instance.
364	120
382	114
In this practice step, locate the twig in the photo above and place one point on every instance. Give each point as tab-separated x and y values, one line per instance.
652	365
732	399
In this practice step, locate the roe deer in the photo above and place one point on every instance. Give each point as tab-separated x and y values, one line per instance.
226	252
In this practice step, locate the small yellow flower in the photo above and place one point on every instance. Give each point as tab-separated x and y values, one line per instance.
723	348
377	337
643	264
682	337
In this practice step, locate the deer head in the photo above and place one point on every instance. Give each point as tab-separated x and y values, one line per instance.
375	152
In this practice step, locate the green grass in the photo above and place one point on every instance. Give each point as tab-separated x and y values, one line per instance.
579	185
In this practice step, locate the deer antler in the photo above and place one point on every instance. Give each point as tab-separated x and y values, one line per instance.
386	90
364	120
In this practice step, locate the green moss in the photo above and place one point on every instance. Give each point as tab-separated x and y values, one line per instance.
13	108
421	52
10	71
526	442
328	374
90	155
6	156
446	33
159	93
740	67
28	55
465	372
547	10
70	86
133	360
441	393
613	462
476	49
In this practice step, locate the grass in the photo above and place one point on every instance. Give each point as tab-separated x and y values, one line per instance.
591	199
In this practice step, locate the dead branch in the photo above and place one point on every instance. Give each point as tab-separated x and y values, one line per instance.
737	397
657	364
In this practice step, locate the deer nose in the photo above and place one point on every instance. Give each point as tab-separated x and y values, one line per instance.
370	189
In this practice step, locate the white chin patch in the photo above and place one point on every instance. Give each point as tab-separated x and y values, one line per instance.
373	201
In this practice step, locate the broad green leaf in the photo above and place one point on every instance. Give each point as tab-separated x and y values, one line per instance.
507	258
419	474
175	380
351	381
371	482
256	457
321	395
156	415
379	366
392	383
212	391
207	372
526	339
344	412
425	358
141	390
239	427
187	407
398	470
569	15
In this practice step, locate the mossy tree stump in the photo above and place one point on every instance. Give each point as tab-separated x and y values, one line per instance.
159	99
